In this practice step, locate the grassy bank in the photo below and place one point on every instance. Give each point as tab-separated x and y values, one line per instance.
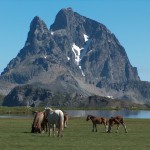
18	110
15	135
25	110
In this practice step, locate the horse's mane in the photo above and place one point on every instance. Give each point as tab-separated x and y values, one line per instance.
48	108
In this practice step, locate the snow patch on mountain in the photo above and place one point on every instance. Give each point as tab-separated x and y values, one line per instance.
86	38
77	52
68	58
81	71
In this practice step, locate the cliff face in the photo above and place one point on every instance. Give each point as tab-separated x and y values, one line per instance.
76	55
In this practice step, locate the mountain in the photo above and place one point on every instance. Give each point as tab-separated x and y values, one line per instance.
28	95
77	55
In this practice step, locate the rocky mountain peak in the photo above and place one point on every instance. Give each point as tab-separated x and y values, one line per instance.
37	23
62	19
77	55
37	29
38	35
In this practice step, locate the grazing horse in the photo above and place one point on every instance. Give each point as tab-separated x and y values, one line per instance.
55	119
66	118
39	122
116	120
97	120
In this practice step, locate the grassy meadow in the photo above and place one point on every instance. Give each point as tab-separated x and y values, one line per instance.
15	135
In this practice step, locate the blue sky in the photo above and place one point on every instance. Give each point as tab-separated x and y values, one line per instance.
129	20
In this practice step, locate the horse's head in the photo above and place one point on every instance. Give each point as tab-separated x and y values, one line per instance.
88	118
35	129
111	123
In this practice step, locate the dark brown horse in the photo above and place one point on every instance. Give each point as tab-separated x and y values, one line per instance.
39	122
97	120
116	121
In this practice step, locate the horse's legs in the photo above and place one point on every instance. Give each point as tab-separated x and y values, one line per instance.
40	129
95	127
61	130
58	132
123	124
117	128
54	129
65	124
109	128
46	126
106	127
49	130
105	124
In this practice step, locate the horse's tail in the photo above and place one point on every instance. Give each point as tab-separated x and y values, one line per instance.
60	121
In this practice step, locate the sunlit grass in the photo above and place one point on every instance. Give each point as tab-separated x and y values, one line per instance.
15	135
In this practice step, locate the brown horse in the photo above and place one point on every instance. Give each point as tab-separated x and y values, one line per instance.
39	122
116	120
97	120
66	118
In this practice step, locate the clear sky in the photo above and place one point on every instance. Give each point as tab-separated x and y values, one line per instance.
129	20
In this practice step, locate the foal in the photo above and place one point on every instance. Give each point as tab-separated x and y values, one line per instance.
97	120
116	120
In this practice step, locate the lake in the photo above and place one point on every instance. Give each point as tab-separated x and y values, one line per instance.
108	113
145	114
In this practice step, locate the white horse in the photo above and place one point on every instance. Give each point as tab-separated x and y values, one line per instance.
55	120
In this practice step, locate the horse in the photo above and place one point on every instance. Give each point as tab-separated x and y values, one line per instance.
55	120
66	118
97	120
116	120
39	122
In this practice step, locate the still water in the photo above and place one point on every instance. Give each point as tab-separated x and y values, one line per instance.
109	113
105	113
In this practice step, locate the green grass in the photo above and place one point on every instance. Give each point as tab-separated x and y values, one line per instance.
15	135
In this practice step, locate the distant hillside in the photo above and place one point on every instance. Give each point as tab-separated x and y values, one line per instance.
33	96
